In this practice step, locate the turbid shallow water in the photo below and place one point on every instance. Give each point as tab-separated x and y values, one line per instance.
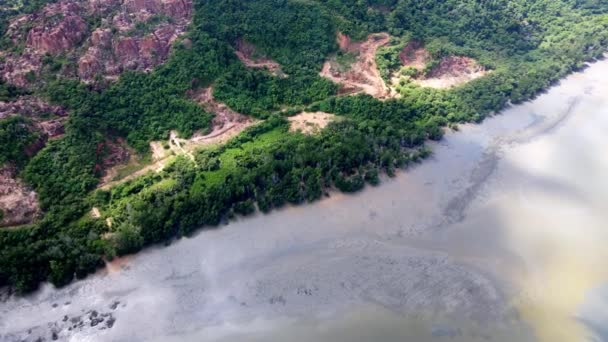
501	236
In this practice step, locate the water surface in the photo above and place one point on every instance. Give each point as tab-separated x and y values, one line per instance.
501	236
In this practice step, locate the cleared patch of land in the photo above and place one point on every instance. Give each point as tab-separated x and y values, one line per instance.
310	122
452	71
449	72
414	55
361	75
248	54
225	125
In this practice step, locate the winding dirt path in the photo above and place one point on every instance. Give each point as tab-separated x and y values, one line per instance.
225	125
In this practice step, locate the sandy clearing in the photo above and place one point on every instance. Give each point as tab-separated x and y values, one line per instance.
363	75
453	71
95	213
310	122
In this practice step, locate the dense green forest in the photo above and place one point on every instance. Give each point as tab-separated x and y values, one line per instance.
528	45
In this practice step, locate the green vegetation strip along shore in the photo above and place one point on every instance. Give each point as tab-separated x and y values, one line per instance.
528	45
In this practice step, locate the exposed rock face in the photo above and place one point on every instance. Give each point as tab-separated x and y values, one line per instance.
19	205
47	119
132	35
111	53
177	9
57	38
31	107
52	128
102	7
16	69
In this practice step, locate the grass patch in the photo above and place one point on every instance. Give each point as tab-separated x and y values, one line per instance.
229	158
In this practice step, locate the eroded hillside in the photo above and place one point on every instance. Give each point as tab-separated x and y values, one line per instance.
93	38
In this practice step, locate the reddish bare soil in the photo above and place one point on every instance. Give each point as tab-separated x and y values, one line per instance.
363	75
248	55
19	204
226	123
111	155
414	55
452	71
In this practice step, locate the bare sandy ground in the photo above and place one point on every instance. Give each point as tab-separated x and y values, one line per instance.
310	122
363	75
450	72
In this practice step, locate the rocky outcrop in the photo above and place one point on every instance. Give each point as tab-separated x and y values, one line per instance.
47	119
52	128
176	9
102	7
133	35
31	107
18	70
18	204
58	38
109	54
56	28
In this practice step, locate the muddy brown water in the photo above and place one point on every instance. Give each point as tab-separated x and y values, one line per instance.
501	236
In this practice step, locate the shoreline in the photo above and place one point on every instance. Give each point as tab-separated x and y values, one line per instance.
341	252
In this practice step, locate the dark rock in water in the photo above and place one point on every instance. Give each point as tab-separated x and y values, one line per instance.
54	336
65	318
110	321
55	305
96	321
114	305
